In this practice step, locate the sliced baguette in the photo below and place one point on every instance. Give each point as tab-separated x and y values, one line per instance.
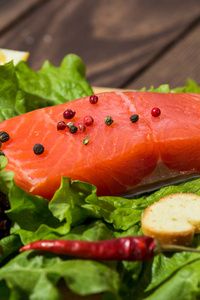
97	89
174	219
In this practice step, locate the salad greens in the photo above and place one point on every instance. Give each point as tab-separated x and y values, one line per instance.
75	212
190	87
23	90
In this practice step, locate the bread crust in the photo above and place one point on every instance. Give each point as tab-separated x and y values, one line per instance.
185	224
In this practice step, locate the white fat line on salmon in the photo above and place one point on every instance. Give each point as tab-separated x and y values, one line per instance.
129	104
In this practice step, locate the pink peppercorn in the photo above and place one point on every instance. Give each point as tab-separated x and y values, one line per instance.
88	120
69	114
61	125
155	112
81	127
93	99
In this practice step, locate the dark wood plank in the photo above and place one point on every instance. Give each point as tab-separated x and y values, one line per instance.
113	39
176	66
12	10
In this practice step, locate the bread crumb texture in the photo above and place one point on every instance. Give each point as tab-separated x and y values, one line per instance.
174	219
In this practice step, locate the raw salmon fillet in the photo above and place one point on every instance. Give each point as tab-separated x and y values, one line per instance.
122	158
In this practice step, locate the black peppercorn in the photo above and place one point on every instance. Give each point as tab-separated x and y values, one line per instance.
73	129
108	120
4	136
134	118
38	149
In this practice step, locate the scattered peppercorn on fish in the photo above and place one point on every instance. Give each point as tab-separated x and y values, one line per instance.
122	158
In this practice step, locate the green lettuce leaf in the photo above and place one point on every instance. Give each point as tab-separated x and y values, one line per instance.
5	291
35	276
23	90
9	246
12	100
164	88
183	285
190	87
53	85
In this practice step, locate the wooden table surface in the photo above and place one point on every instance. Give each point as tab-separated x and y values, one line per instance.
124	43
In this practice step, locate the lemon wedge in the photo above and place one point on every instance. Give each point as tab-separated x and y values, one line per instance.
14	55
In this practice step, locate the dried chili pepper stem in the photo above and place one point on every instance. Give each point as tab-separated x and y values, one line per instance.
174	248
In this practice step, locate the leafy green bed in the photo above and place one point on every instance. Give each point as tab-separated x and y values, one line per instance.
75	212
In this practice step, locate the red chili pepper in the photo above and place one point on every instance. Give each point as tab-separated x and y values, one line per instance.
139	248
128	248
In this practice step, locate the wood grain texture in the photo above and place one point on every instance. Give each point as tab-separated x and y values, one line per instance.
12	10
176	66
114	40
